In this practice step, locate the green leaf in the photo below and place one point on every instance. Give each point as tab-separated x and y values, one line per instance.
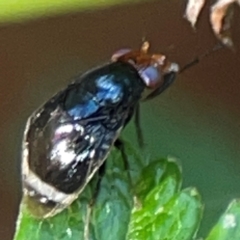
167	213
228	226
113	208
154	173
149	204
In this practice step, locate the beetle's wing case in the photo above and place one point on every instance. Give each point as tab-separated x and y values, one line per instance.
70	136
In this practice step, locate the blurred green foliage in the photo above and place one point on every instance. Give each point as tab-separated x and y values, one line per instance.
146	203
21	10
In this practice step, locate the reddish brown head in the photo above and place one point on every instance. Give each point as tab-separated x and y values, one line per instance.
151	67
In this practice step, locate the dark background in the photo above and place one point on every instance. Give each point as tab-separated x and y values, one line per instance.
197	120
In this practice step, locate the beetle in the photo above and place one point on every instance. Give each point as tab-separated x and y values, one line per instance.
69	137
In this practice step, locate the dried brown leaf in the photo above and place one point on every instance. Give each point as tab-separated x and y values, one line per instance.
220	18
193	10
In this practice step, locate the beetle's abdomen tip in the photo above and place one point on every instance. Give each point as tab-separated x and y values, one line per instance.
38	209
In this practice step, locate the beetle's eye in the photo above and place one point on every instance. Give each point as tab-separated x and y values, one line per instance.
120	53
151	76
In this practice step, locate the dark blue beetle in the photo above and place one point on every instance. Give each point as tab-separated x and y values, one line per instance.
70	136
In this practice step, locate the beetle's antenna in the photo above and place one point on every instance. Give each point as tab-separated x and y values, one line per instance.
199	58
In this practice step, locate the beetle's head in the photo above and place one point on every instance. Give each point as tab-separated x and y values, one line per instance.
151	67
156	71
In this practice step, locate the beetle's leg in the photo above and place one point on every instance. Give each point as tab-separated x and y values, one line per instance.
135	111
120	146
138	126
